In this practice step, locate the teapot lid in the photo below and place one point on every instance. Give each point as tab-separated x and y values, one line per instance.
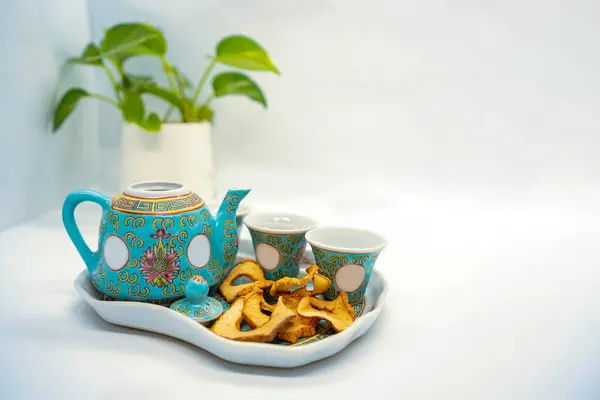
197	304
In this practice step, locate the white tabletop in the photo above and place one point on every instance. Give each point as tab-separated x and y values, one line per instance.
490	298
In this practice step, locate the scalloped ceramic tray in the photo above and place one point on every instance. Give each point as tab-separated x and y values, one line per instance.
162	320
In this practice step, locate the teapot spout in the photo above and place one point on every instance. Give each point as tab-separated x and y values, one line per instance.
230	204
226	232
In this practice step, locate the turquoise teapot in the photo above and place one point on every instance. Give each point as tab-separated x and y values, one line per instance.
153	238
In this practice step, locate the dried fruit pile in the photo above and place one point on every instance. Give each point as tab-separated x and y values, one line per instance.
295	313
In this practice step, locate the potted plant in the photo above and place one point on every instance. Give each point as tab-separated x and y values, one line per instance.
178	145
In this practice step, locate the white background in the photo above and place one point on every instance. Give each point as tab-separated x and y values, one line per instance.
36	167
466	131
449	94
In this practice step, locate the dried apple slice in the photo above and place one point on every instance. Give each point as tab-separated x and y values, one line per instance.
298	286
254	305
250	269
299	326
228	324
266	306
253	286
339	313
320	283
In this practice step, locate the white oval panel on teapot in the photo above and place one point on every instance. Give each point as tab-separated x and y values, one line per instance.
198	253
115	252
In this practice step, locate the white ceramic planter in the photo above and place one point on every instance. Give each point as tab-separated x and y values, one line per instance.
180	152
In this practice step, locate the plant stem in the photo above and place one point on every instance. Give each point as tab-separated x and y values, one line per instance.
113	81
105	99
167	68
207	72
168	114
180	88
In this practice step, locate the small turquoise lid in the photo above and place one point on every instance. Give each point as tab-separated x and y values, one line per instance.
197	304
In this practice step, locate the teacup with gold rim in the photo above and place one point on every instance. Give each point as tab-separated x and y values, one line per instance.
279	241
347	257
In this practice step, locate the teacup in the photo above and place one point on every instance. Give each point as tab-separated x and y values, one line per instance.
347	257
279	241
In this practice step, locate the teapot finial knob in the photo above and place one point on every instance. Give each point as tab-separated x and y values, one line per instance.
197	304
196	290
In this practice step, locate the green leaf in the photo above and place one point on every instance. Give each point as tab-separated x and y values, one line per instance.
133	39
228	83
135	82
146	84
152	123
244	53
133	111
163	93
202	113
133	107
66	106
130	39
90	56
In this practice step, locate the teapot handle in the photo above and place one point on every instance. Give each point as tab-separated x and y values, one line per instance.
71	202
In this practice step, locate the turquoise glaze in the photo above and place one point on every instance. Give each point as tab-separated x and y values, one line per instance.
196	304
350	264
153	238
284	256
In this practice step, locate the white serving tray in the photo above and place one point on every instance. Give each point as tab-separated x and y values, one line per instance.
162	320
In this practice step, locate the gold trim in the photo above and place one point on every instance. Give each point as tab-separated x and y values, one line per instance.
157	206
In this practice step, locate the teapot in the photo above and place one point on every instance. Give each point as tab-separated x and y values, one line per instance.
153	237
